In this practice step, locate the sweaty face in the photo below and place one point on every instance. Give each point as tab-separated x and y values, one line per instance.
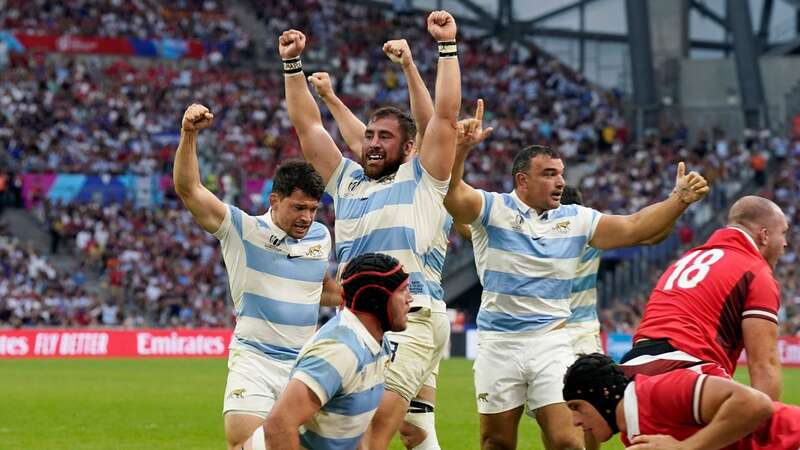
399	305
776	240
541	186
585	415
294	213
384	147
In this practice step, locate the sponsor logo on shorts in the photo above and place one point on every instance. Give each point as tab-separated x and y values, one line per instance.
237	393
483	397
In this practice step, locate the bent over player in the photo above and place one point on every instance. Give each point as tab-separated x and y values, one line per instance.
390	206
276	266
338	379
681	409
718	299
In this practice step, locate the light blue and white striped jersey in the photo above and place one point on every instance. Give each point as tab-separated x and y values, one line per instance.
527	262
345	367
275	281
583	303
401	215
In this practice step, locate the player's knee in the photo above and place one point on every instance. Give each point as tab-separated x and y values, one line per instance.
566	440
497	442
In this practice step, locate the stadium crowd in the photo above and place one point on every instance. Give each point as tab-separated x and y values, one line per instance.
112	117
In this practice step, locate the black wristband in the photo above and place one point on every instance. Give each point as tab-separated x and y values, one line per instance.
447	49
292	66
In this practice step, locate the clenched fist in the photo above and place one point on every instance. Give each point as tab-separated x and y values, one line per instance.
690	188
322	83
196	118
291	44
398	51
442	26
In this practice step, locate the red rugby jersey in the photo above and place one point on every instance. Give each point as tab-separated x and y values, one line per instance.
700	301
670	404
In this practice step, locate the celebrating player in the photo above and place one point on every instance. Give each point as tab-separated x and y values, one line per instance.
337	381
527	250
676	410
387	205
718	299
277	264
418	432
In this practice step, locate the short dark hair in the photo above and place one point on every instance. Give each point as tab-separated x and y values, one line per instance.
301	175
404	120
522	160
571	195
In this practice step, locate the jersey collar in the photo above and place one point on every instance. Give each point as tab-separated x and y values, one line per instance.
746	235
355	324
276	231
631	405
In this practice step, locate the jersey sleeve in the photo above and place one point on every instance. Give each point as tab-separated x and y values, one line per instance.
326	367
675	396
589	218
233	220
339	175
763	298
487	200
439	187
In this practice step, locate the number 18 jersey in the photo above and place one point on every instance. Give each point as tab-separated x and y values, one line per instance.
700	300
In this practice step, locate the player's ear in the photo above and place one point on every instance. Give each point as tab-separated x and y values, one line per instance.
408	148
763	236
274	199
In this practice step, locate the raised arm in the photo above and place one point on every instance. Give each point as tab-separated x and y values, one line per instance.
351	127
624	231
730	410
462	201
206	208
399	52
439	146
295	406
317	145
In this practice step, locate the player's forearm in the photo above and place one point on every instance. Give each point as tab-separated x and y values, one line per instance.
653	220
303	110
448	90
766	377
186	169
280	435
419	98
739	415
351	127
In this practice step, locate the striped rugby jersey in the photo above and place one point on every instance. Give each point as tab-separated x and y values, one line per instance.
275	281
344	366
401	215
526	263
583	303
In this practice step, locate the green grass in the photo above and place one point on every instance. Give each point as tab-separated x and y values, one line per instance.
176	403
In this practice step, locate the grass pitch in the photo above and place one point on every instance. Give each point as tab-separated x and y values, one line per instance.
128	404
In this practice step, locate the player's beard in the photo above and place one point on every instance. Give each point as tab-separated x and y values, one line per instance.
388	167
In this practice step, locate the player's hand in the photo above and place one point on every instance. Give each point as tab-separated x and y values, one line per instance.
690	188
471	131
196	118
655	442
291	44
399	52
322	83
442	26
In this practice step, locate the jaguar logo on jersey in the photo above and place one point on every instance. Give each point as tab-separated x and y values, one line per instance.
562	227
315	251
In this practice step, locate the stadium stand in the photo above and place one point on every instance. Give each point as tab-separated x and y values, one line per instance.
93	115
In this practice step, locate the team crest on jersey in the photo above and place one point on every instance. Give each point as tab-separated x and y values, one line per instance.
315	251
562	227
237	393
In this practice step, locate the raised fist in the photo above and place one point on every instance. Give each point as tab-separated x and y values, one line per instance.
442	26
690	187
196	118
291	44
398	51
322	83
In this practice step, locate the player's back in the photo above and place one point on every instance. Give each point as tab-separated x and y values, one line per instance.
700	300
